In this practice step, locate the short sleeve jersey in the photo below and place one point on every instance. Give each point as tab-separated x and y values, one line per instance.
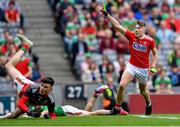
139	49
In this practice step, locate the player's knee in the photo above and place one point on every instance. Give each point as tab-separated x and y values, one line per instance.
7	66
122	85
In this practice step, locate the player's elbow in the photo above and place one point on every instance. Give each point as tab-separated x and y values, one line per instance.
155	55
7	65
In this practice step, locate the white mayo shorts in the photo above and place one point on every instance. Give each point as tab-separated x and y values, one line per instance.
20	81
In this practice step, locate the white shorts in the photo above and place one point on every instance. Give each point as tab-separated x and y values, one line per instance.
140	73
70	110
20	81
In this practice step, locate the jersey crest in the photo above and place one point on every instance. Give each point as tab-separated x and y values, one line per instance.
139	47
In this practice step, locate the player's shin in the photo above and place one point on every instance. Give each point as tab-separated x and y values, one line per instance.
120	95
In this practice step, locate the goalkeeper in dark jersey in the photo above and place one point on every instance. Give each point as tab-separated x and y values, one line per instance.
29	92
69	110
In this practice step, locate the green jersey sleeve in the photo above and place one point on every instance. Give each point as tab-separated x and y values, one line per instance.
43	108
59	111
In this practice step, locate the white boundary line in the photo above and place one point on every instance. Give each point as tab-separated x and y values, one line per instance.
157	117
92	126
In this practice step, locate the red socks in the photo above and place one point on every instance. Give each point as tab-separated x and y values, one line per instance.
117	105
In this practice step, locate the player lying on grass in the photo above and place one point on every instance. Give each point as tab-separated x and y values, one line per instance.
69	110
29	92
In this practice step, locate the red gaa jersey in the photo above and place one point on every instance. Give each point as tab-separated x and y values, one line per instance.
139	49
23	66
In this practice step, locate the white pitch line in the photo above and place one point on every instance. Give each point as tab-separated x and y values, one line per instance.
157	117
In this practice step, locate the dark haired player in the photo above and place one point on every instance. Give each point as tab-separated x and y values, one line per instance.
68	110
29	92
138	67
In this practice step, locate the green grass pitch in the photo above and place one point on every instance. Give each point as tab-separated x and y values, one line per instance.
130	120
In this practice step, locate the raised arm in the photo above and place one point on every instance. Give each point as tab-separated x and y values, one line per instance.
114	22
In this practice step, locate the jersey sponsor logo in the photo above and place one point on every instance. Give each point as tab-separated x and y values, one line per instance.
139	47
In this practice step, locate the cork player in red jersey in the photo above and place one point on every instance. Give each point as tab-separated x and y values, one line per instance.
139	65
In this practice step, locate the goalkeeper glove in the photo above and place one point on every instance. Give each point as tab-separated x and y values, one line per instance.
47	116
33	114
